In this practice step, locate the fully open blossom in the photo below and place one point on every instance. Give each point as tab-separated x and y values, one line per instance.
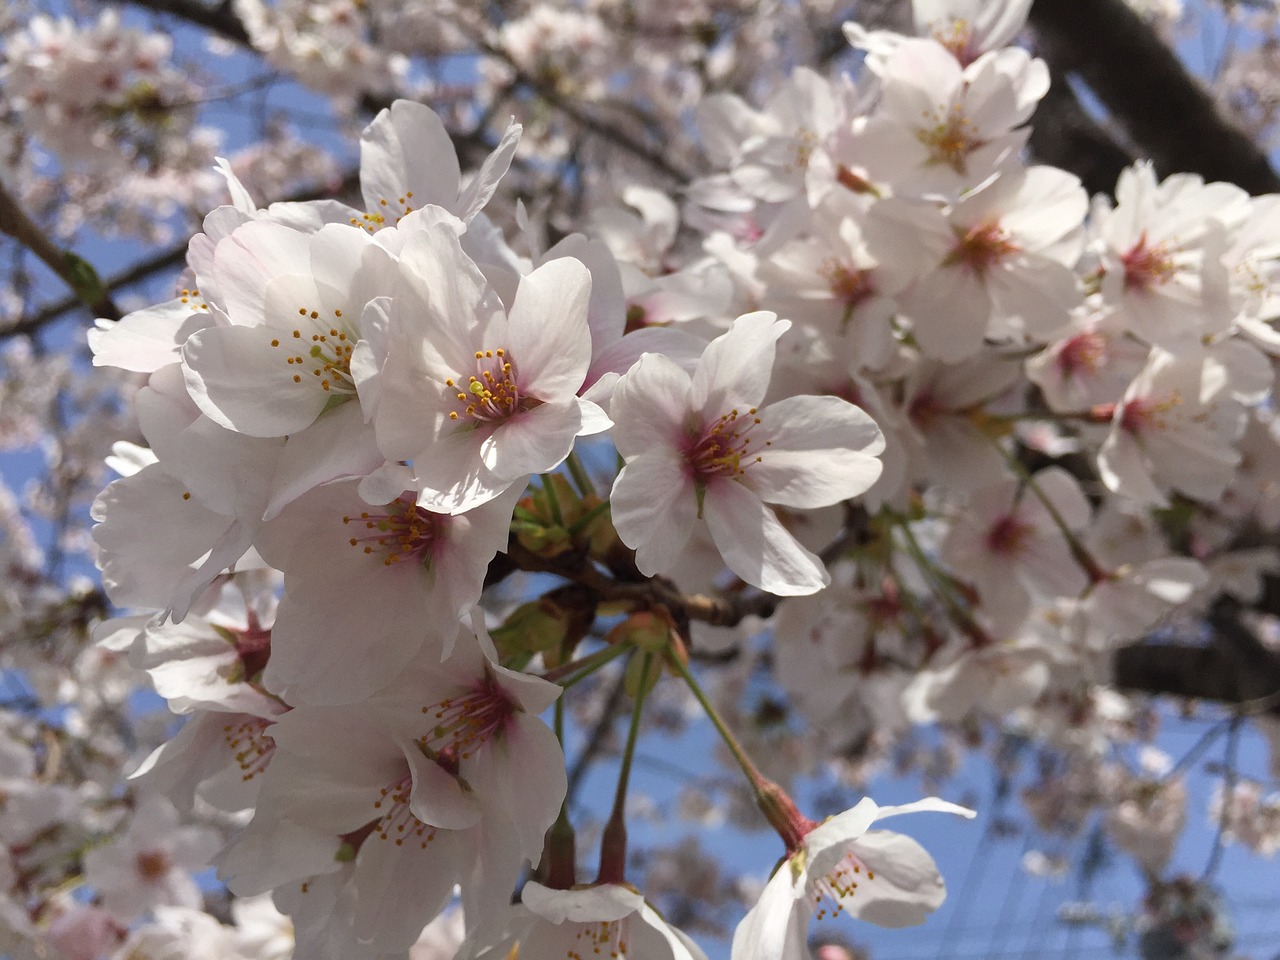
367	587
477	394
702	448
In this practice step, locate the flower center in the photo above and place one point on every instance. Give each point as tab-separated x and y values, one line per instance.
1009	535
1147	413
831	892
849	285
403	531
950	140
153	865
605	939
806	143
466	722
388	213
1082	354
250	745
723	449
980	248
393	819
956	35
1146	267
492	393
325	358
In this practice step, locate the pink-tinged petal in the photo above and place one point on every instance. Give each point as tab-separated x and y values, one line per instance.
547	333
654	937
370	353
594	419
949	310
1121	467
228	472
919	76
338	445
649	406
607	308
1063	491
330	769
531	694
534	441
485	180
619	356
349	268
386	483
451	476
927	805
273	853
654	509
223	554
756	546
442	299
736	366
407	149
437	797
240	381
814	451
459	563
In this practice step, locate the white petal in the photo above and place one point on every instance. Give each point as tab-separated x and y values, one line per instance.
756	546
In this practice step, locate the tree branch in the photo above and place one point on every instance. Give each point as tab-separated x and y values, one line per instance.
220	19
75	272
1235	668
1166	112
1063	134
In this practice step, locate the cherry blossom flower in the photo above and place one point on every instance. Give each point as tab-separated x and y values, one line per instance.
1007	542
397	576
1161	253
1177	427
701	447
842	866
608	919
478	396
151	864
943	128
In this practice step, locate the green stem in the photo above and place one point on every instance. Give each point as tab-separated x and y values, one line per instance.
570	673
553	502
777	807
730	741
580	476
584	521
1092	568
942	587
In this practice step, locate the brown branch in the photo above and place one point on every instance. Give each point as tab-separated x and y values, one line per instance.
70	269
1235	668
146	269
1063	134
220	19
1166	112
